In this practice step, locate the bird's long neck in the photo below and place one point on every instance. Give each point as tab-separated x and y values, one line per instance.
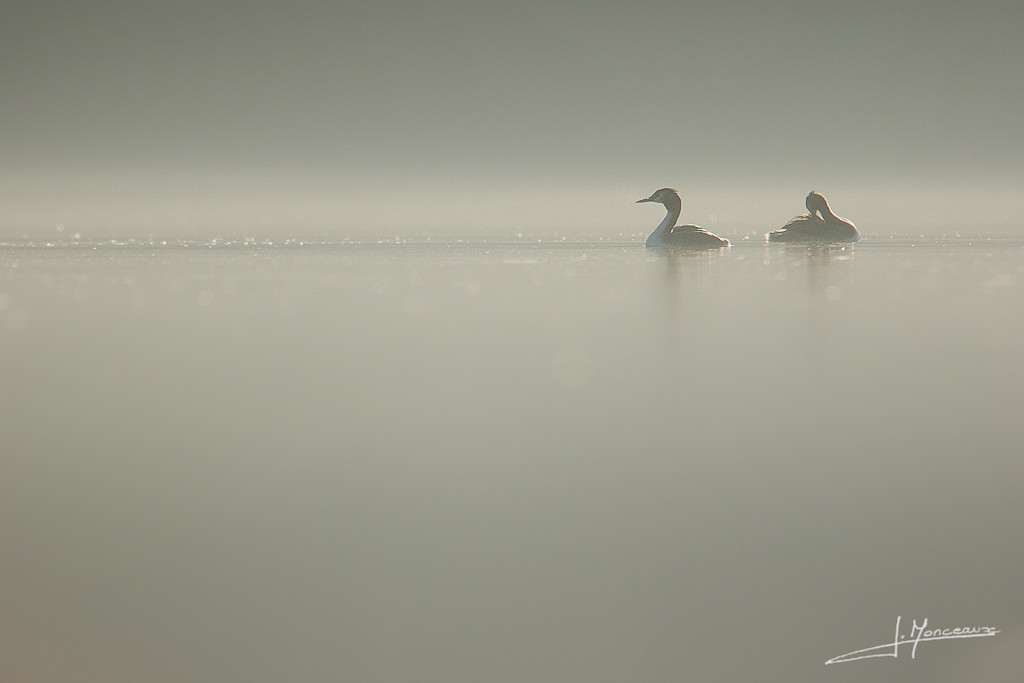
673	206
826	211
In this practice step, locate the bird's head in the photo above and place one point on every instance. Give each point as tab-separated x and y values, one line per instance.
816	203
665	195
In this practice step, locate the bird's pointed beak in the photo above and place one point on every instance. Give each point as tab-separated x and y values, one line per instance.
641	201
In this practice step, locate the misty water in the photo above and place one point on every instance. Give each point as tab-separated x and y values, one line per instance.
509	461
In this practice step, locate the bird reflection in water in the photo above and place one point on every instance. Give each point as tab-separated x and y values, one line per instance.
687	275
825	285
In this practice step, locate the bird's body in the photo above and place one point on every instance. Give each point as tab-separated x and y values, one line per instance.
690	236
668	234
810	227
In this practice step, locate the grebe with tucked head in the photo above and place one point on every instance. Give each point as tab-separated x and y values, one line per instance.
668	234
809	227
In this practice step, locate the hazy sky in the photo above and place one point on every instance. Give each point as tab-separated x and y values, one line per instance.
453	94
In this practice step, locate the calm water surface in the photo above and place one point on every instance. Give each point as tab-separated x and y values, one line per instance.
509	462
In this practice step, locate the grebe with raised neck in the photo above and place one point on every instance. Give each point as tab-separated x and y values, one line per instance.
668	234
809	227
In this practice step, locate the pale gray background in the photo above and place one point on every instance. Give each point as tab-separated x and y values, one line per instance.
531	462
406	116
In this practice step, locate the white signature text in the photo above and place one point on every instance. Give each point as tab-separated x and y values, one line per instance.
918	634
